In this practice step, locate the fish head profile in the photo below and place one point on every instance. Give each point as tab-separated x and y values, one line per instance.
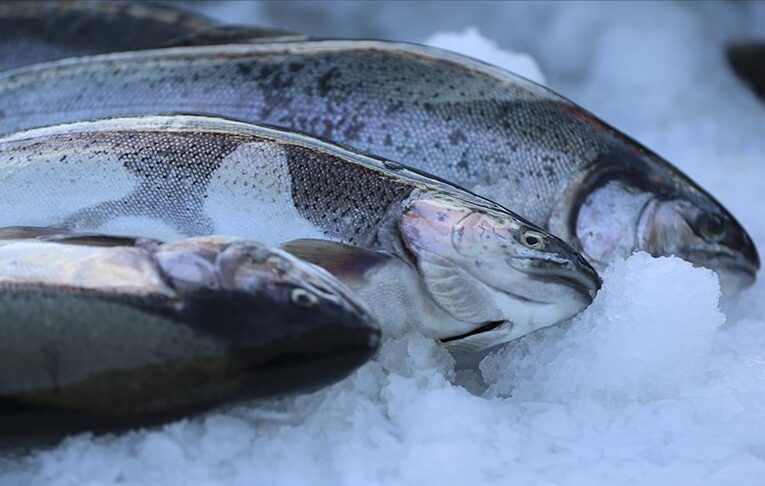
635	201
700	230
487	266
296	322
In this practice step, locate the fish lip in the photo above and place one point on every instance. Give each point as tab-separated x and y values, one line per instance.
583	278
488	326
585	288
723	261
521	298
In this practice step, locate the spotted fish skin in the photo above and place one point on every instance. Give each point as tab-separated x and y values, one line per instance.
170	177
196	176
488	130
39	31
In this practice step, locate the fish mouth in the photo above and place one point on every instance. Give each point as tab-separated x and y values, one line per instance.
584	287
734	270
319	357
322	343
489	326
582	278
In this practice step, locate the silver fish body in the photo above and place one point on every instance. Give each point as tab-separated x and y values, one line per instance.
177	176
486	129
105	333
394	294
39	31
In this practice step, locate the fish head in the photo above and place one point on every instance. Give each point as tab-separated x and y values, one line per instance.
638	201
293	322
703	232
483	264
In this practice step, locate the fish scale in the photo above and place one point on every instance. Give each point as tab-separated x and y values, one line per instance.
360	198
177	163
339	92
484	128
404	102
171	174
175	176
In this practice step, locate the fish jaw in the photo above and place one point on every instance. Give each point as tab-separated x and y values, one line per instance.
706	237
610	214
483	264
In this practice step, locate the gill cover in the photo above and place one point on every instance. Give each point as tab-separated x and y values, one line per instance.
431	228
633	200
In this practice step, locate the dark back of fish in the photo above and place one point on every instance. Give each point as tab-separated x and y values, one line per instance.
399	101
196	176
33	32
482	127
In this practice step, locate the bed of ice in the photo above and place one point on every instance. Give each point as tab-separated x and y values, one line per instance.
658	381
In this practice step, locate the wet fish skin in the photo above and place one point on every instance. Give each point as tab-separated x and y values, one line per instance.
114	337
235	34
493	132
393	292
39	31
174	176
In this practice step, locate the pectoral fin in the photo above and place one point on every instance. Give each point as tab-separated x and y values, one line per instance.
348	263
28	232
58	235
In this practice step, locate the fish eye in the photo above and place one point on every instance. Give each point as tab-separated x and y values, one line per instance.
303	298
533	240
712	226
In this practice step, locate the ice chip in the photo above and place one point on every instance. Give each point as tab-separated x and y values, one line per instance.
648	335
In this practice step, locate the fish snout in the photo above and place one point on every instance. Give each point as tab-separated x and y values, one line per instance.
584	274
569	268
713	238
729	250
750	257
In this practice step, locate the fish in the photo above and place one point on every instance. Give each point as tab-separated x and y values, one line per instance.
39	31
488	130
169	177
105	333
393	292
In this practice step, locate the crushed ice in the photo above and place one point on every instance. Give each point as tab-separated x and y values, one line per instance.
648	385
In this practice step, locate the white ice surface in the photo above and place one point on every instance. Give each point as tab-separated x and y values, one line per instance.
471	43
645	387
